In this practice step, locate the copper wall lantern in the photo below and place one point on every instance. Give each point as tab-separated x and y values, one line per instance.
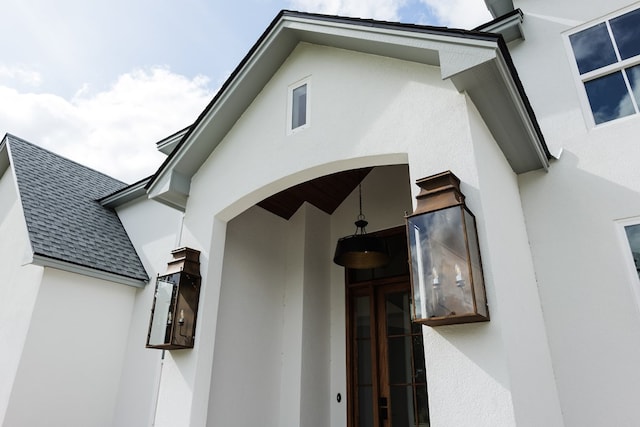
175	304
444	255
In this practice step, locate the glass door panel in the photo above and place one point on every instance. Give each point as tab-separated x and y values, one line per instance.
363	361
387	367
403	350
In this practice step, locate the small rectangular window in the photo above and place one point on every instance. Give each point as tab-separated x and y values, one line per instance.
299	107
298	102
607	56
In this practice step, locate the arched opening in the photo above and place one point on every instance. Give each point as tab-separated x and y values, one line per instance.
280	345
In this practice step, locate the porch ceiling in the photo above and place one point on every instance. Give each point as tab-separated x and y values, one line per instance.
326	193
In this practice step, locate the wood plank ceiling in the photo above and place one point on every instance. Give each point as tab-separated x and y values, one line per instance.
326	193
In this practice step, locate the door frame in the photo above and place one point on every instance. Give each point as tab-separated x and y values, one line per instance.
368	287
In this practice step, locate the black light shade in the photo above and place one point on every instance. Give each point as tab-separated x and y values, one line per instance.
361	251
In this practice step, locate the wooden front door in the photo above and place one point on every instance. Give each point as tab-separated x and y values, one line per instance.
386	367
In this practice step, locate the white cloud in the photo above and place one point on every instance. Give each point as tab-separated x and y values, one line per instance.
113	131
465	14
374	9
21	74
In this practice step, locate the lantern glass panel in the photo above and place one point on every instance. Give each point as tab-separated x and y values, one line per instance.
476	265
440	264
162	317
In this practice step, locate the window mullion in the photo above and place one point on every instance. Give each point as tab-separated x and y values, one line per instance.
613	41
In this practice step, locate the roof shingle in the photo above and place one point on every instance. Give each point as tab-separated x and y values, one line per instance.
64	219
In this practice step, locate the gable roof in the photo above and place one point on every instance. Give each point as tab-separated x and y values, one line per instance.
477	63
68	228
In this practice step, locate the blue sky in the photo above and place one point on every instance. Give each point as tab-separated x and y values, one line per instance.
101	81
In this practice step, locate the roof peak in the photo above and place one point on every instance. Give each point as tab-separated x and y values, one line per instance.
39	147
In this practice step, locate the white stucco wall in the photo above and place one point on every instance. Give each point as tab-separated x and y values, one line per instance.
590	304
366	111
152	228
516	310
18	289
272	339
247	364
73	355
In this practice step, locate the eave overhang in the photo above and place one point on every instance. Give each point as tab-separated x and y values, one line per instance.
477	63
509	26
46	261
499	7
127	194
168	144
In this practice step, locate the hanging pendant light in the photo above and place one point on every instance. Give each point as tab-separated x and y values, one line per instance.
361	251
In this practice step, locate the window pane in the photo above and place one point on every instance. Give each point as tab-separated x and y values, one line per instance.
398	314
402	406
400	360
420	370
299	109
365	406
422	403
633	74
626	31
363	318
633	234
364	362
609	98
592	48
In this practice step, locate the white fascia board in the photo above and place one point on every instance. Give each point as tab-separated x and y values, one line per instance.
246	82
534	138
216	123
499	7
337	33
496	94
86	271
4	156
132	192
168	144
510	27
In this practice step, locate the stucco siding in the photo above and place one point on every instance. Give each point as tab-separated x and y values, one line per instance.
365	111
591	308
74	352
248	365
153	229
18	289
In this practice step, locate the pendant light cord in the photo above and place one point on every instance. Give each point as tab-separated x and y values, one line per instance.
361	223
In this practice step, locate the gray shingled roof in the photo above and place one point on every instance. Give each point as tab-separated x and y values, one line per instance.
64	219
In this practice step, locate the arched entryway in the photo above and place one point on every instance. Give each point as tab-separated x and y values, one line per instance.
280	344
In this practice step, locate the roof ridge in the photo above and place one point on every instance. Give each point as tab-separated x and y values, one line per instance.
10	136
379	22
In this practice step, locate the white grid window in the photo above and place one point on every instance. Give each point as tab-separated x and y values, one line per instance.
607	56
632	232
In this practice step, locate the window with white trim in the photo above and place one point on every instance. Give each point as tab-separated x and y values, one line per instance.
607	56
632	232
298	106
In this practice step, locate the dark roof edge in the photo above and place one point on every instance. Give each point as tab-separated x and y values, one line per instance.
49	261
424	29
217	96
497	20
126	194
477	35
502	45
8	136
